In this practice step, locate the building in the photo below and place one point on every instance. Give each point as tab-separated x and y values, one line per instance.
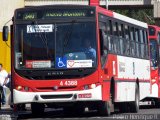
6	12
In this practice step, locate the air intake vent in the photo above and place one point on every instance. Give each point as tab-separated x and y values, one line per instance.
56	96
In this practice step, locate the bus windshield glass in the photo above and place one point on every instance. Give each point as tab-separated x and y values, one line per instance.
55	45
152	31
153	53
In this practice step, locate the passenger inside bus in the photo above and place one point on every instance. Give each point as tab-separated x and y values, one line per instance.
89	51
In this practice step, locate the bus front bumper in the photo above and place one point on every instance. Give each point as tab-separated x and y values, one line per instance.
63	96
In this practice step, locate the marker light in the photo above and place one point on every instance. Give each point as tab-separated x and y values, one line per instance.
86	87
26	88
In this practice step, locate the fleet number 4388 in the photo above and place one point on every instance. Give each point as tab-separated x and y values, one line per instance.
68	83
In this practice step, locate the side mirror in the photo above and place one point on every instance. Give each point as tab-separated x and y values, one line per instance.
5	33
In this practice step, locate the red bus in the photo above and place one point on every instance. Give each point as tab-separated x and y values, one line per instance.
54	66
154	39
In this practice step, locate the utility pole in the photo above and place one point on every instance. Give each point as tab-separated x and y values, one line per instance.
94	2
97	3
106	4
156	12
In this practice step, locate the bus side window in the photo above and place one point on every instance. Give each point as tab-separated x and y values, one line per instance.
146	55
137	41
153	53
110	36
115	38
103	41
132	44
147	43
127	41
141	43
121	37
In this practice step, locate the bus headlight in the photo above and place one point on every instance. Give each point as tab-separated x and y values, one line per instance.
93	86
19	88
153	80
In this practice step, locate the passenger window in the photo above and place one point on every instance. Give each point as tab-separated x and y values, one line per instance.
132	46
109	32
121	38
103	42
142	43
137	42
127	42
126	32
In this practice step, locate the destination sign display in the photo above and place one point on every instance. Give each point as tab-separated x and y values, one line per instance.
65	14
55	13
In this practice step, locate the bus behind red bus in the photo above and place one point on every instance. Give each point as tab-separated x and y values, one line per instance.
154	40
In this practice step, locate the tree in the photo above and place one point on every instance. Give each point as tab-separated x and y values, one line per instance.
144	15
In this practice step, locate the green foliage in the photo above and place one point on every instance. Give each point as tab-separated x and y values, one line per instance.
145	15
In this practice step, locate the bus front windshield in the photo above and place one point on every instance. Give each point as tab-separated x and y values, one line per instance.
55	45
153	53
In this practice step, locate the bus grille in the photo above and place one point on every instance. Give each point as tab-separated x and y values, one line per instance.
56	96
42	89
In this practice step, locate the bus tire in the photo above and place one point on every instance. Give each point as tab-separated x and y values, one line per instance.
37	109
104	108
134	107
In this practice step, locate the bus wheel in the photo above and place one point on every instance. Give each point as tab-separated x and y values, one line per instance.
104	108
37	108
134	107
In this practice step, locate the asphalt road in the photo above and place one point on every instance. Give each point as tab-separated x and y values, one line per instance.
145	113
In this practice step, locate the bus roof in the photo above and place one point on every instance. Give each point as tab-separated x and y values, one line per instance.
130	20
122	17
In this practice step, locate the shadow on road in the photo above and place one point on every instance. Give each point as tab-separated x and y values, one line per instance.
56	114
59	114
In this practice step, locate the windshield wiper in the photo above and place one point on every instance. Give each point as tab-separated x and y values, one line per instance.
43	38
